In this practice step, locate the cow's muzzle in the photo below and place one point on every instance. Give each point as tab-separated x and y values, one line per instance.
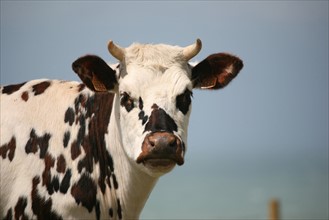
161	149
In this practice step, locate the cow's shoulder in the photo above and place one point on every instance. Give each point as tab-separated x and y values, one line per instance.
49	130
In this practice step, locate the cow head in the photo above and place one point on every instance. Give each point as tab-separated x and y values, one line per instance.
153	86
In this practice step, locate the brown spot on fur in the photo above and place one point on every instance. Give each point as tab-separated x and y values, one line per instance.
142	117
65	184
97	210
36	142
75	150
119	211
82	130
66	138
10	147
40	206
61	164
81	100
55	183
12	88
51	183
32	144
44	143
84	192
69	116
81	87
49	163
40	87
20	208
25	96
140	103
115	182
9	215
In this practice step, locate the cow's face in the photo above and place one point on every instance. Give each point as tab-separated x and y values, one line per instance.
154	86
154	111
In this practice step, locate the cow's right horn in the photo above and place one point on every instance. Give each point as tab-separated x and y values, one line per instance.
116	51
190	51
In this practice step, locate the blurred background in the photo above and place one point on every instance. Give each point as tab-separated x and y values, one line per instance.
264	136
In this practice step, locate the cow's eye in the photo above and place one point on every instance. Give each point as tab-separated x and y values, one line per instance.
127	101
183	101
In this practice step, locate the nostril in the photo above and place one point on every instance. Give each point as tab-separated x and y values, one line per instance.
151	143
172	143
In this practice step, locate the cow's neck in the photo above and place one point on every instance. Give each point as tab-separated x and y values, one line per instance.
134	186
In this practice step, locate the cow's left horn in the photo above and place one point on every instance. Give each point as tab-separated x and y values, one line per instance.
116	51
190	51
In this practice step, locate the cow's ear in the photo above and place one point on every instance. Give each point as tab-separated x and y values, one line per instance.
95	73
216	71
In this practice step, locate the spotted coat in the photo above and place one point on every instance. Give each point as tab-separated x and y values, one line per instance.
95	149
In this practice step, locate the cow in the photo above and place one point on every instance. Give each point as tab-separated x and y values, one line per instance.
95	150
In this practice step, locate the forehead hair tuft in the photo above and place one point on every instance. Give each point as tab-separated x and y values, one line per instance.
154	55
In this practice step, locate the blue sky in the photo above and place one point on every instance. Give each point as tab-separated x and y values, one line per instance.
264	136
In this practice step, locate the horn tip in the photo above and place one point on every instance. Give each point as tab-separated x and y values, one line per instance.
198	43
110	44
115	50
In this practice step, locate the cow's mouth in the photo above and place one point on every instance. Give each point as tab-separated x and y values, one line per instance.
158	162
162	164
